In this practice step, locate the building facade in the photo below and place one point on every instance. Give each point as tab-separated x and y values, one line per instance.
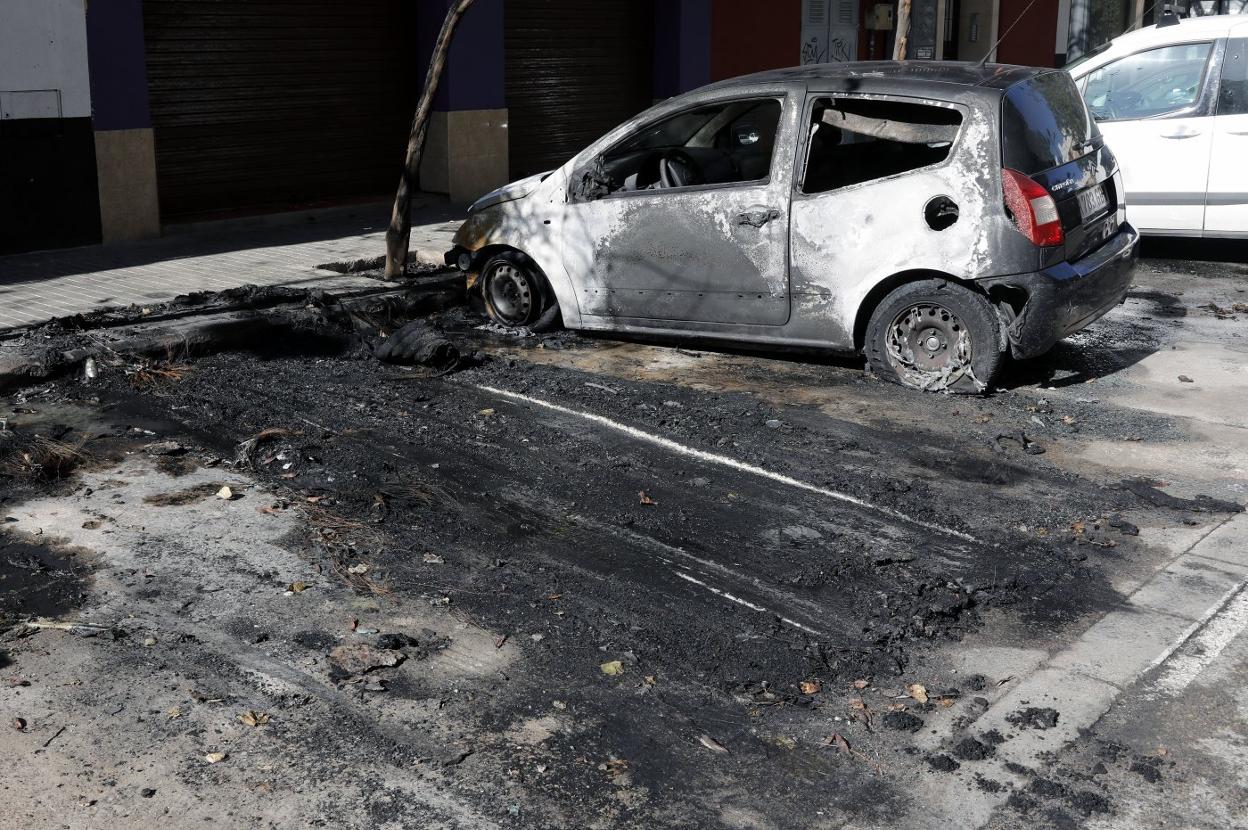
120	117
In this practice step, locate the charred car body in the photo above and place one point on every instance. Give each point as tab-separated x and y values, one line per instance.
936	217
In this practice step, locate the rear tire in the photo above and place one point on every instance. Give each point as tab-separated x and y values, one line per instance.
517	294
936	336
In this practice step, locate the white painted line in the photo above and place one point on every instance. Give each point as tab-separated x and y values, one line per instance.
1205	617
1191	630
645	541
725	461
753	607
1228	623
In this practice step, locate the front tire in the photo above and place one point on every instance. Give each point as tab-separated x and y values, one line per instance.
936	336
517	294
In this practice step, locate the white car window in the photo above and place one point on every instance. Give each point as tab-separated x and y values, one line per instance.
1148	84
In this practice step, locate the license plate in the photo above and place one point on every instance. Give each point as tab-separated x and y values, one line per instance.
1101	230
1093	202
1110	227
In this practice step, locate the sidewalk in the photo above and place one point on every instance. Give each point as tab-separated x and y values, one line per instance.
282	250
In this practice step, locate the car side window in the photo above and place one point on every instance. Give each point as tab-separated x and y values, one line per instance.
1148	84
724	143
1233	90
852	141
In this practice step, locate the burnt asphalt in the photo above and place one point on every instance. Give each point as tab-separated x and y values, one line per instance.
770	573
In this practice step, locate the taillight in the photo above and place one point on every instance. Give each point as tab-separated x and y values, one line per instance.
1032	208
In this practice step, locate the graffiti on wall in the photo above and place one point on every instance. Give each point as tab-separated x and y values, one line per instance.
834	49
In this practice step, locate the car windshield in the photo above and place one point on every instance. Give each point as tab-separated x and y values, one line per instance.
674	132
1045	124
1071	66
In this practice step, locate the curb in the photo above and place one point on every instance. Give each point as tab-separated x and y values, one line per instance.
1124	652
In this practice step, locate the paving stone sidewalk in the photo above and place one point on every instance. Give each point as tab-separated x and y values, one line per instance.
269	251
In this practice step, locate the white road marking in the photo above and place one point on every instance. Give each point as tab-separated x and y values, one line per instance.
1228	621
645	541
1210	612
746	603
725	461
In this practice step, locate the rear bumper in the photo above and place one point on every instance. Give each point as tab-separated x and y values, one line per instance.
1069	296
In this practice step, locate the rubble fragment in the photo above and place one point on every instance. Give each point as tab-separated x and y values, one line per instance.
164	448
1034	717
1201	503
359	658
969	749
1030	447
712	744
1123	526
902	721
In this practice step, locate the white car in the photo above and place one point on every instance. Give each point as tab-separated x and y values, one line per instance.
1172	103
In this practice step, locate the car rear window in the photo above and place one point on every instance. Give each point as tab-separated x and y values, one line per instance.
1045	124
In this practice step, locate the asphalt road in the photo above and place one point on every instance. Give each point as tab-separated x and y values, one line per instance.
593	583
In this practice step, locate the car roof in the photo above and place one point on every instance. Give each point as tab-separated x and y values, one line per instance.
1187	30
882	74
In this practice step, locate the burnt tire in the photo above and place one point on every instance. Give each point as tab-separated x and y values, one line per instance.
517	294
421	345
936	336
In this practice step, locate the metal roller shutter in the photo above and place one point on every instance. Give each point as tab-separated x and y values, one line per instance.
575	69
270	104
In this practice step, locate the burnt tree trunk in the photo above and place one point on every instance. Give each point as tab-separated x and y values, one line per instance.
400	229
903	30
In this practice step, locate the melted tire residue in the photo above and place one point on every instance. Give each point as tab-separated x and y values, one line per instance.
37	580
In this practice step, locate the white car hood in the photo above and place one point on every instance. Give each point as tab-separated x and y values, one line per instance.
509	192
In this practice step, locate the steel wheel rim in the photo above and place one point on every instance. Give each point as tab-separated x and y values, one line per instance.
511	293
929	346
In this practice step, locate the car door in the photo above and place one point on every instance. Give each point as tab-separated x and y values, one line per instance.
705	243
1153	109
879	193
1226	205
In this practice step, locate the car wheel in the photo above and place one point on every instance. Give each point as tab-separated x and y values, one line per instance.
936	336
516	293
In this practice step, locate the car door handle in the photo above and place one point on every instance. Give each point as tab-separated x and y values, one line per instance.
757	217
1182	132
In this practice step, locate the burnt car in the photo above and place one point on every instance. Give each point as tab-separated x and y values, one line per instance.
936	217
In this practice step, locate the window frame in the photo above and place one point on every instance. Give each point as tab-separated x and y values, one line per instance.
803	148
1199	107
782	96
1217	93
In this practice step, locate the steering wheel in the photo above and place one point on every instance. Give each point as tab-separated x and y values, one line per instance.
1124	102
678	169
1181	95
